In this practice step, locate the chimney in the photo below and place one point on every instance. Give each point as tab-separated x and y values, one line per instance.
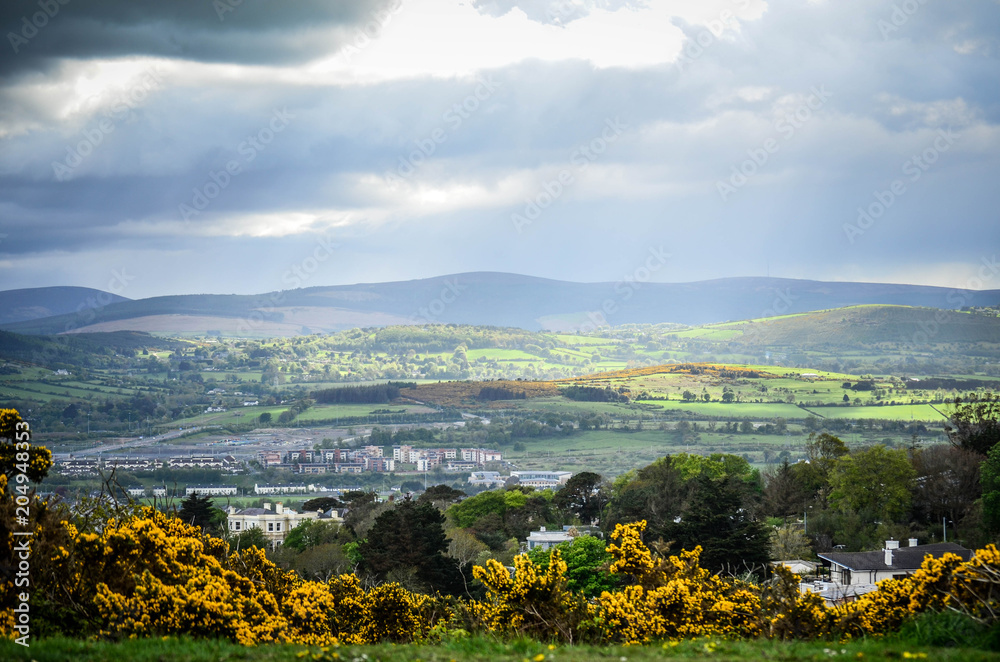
267	506
914	542
542	529
889	546
278	508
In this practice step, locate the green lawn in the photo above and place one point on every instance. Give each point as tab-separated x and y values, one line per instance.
888	412
753	410
480	649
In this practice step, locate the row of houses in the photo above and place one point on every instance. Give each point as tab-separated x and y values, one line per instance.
85	466
373	459
203	490
462	459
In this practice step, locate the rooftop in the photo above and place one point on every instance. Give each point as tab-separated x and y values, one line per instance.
904	558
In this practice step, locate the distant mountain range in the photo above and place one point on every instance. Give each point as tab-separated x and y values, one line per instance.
40	302
480	298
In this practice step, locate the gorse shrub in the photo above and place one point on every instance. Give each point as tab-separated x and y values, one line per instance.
144	573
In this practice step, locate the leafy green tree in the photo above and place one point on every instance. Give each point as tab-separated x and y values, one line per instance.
975	423
785	491
441	495
583	496
947	485
789	542
321	503
718	518
875	483
312	533
587	562
990	472
655	493
199	511
361	509
410	537
824	450
252	537
264	418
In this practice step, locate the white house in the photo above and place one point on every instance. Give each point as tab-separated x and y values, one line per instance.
275	522
892	562
283	489
547	539
541	479
486	478
210	490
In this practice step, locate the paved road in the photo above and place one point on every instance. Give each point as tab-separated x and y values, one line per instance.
135	442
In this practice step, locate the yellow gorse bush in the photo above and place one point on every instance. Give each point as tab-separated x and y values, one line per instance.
671	597
149	574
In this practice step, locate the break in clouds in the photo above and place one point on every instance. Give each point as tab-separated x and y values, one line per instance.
205	147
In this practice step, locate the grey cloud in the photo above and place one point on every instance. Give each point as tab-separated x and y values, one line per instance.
888	96
253	32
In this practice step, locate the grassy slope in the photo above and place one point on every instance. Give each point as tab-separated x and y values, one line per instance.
479	650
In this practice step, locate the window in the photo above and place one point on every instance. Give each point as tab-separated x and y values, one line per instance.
270	526
278	527
237	526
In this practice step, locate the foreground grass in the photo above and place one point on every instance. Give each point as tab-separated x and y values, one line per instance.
479	650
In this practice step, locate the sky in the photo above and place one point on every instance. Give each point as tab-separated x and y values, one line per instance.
153	148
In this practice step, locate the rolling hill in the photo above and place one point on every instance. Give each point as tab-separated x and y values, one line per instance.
41	302
871	325
480	298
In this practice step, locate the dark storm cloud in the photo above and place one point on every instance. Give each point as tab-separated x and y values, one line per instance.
890	90
238	31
